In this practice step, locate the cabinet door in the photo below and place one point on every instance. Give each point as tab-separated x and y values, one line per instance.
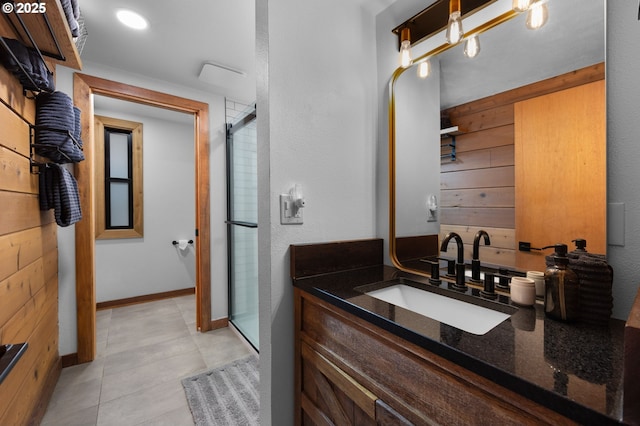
560	179
330	396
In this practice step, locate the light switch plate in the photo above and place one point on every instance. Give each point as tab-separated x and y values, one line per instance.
286	211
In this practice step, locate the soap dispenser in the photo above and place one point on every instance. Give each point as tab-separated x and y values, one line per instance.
562	288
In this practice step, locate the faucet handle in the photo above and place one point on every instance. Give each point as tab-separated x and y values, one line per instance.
503	281
489	286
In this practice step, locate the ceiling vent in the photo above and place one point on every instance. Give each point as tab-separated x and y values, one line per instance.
220	75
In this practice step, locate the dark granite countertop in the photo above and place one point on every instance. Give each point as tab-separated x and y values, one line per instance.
573	369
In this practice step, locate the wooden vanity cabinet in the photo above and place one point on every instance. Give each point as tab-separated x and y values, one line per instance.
351	372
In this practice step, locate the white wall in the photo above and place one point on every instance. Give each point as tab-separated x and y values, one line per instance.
217	138
316	127
152	264
623	150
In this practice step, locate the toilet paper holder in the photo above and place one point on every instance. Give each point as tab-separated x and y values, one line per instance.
175	243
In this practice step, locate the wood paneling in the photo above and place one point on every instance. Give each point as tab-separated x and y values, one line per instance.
561	181
28	266
481	178
15	132
480	197
488	138
477	216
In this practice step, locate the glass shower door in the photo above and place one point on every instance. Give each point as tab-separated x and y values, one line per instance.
242	226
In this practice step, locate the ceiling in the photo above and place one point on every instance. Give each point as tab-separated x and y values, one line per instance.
182	35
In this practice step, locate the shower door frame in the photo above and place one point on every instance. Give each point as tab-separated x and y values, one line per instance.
231	129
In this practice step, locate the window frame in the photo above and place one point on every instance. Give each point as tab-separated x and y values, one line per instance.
137	201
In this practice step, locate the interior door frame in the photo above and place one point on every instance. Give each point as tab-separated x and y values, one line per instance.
84	87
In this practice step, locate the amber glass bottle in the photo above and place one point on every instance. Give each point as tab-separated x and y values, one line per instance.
562	288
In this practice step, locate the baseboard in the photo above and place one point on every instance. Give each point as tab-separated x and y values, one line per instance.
69	360
144	298
219	323
48	387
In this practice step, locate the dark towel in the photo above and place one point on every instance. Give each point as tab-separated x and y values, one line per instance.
35	76
70	14
59	190
58	128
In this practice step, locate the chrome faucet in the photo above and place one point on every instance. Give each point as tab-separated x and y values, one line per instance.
475	262
460	268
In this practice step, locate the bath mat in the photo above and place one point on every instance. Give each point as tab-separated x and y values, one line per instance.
225	396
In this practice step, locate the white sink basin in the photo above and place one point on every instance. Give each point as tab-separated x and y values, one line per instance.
456	313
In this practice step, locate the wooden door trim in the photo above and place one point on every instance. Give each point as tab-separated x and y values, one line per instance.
84	86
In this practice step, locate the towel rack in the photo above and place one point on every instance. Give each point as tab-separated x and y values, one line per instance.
35	165
59	56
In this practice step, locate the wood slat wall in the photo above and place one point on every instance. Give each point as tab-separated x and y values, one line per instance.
28	267
478	189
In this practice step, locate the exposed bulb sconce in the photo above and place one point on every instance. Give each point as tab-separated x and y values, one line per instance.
424	69
405	48
472	47
521	5
538	15
432	208
454	27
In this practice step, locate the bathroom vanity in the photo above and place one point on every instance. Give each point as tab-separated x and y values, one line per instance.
361	360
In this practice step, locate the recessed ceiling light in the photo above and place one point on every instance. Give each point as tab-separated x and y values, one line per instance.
132	19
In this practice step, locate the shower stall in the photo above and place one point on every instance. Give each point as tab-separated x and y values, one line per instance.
242	225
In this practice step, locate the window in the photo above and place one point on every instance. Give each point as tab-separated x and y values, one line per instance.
119	198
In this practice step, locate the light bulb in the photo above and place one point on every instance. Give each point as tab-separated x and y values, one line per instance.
405	54
405	48
424	69
521	5
454	28
538	15
472	47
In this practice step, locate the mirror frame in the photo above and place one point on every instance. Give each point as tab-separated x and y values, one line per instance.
506	16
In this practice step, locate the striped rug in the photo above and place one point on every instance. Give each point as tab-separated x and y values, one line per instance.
225	396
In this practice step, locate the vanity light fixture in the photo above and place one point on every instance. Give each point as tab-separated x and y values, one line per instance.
472	46
424	69
405	48
538	14
132	19
521	5
454	27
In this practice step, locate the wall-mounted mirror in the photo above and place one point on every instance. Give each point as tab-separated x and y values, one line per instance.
526	158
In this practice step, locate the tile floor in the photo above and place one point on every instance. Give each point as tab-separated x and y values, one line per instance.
143	352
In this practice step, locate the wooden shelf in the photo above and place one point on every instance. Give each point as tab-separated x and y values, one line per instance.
37	25
450	131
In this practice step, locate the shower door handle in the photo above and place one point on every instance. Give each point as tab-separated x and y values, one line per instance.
240	223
